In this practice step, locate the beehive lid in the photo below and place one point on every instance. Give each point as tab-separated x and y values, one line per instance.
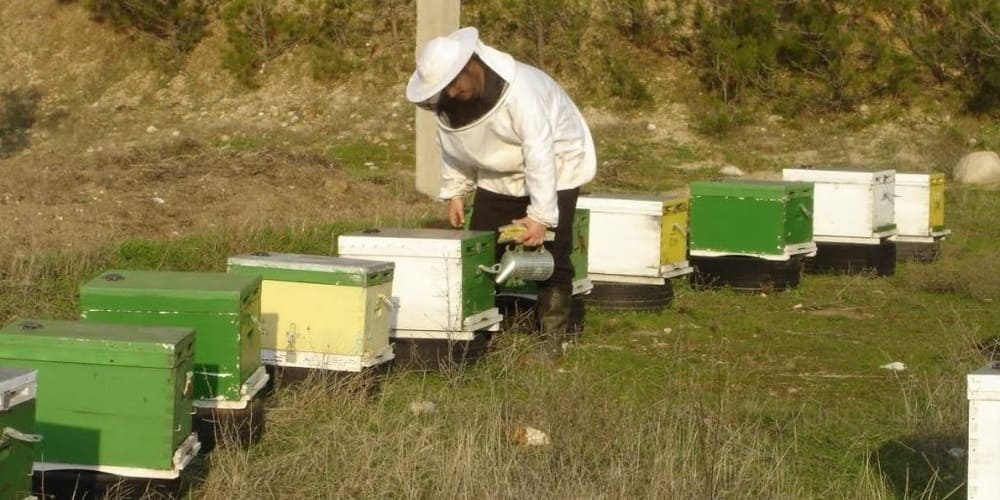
919	179
450	243
626	203
17	385
320	269
843	175
751	188
95	343
168	291
984	383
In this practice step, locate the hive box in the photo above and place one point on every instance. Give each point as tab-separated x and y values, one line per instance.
17	423
579	257
920	207
321	312
223	309
439	288
637	238
111	398
771	220
983	387
852	206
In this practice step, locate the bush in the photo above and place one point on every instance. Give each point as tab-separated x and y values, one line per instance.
177	25
18	113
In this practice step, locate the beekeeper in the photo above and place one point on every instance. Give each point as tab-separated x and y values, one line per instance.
510	133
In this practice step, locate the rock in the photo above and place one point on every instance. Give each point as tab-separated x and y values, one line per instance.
150	129
895	366
529	436
651	127
422	407
731	171
979	167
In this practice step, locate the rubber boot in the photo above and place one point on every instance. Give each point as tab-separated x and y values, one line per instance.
553	307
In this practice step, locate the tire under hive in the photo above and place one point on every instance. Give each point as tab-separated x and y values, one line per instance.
907	251
611	296
847	258
65	484
433	354
230	428
748	274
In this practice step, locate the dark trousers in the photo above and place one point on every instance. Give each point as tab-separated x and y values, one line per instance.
491	210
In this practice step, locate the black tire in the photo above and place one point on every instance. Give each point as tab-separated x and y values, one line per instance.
433	354
611	296
924	253
744	273
229	428
519	315
61	484
847	258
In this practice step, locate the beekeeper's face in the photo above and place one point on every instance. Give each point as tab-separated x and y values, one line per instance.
468	85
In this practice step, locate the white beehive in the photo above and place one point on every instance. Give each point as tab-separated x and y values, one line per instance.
920	207
637	238
850	206
439	288
984	432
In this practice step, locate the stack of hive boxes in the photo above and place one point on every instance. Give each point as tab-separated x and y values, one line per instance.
442	295
855	219
17	423
111	398
321	312
637	243
750	235
919	215
983	391
224	311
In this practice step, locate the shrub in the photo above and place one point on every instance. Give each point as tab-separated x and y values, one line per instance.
177	25
18	113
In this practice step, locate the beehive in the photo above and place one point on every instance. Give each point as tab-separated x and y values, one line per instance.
919	207
321	312
771	220
851	205
983	387
111	398
17	425
223	309
637	238
439	287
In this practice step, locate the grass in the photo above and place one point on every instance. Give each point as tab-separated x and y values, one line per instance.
723	395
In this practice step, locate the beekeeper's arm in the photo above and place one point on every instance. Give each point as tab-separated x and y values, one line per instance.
457	180
530	120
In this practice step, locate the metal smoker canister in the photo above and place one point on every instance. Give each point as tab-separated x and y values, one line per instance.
530	265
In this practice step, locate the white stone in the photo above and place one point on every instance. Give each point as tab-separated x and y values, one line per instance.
731	170
150	129
979	167
896	366
651	127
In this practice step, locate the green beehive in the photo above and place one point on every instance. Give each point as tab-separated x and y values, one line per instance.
766	219
222	308
17	423
111	398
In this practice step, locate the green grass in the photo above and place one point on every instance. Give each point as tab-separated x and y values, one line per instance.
723	395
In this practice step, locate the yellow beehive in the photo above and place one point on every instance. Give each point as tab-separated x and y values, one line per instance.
322	312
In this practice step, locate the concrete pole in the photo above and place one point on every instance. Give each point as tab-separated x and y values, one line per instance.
434	18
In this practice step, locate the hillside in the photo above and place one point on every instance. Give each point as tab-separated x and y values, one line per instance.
116	147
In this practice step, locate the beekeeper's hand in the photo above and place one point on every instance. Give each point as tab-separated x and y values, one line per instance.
456	212
535	234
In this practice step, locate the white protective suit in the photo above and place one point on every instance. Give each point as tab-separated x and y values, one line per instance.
532	143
